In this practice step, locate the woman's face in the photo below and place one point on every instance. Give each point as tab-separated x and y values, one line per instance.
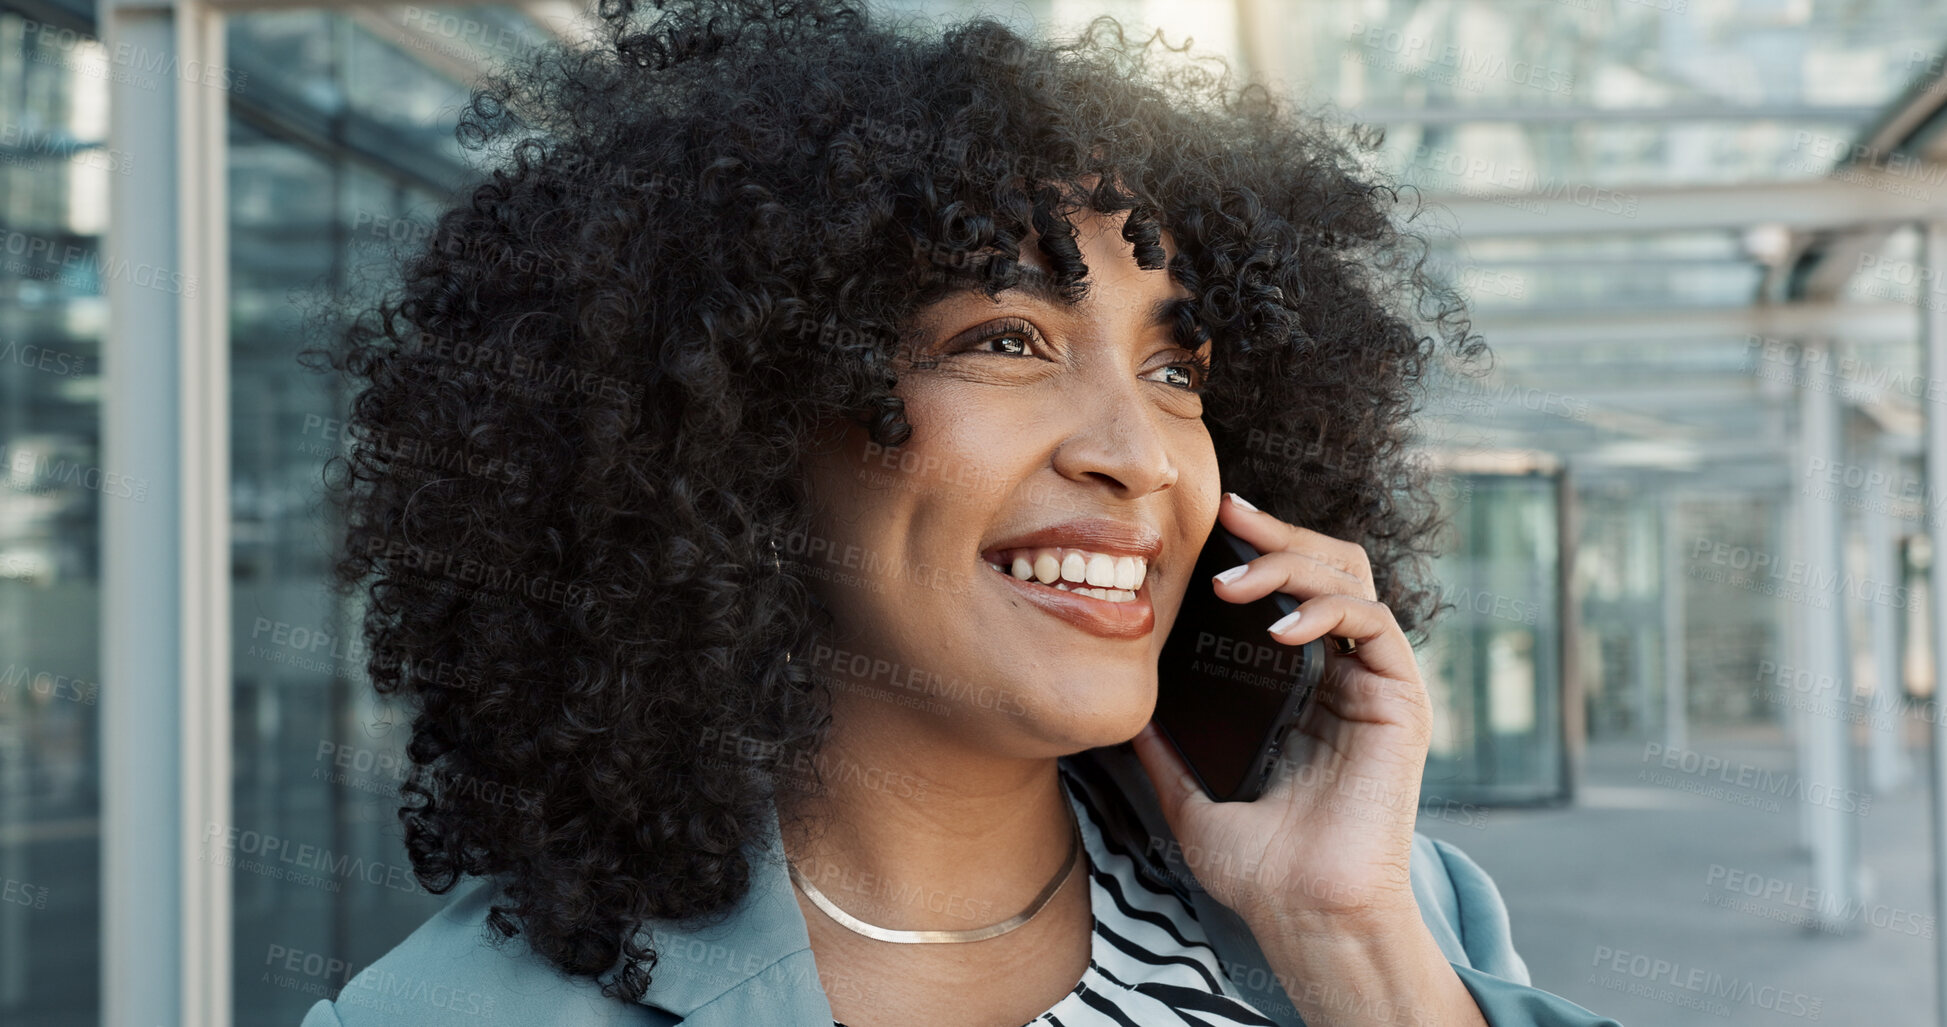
1051	442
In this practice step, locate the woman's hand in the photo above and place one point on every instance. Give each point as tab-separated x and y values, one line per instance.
1331	835
1317	866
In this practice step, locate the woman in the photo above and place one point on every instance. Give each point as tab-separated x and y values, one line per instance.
871	394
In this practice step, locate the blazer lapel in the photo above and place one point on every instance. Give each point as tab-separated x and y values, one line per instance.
754	965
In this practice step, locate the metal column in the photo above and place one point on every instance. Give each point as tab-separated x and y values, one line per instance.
1797	653
1887	765
1934	334
165	924
1826	773
1676	691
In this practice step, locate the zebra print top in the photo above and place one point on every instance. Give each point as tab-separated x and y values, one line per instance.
1149	962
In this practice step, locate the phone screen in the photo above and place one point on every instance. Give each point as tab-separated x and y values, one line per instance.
1226	690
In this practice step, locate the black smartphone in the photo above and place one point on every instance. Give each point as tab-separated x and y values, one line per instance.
1227	690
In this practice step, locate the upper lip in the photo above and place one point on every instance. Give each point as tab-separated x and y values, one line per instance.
1095	534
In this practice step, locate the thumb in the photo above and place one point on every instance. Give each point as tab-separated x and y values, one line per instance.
1177	790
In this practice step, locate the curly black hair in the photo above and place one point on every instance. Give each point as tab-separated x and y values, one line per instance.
581	405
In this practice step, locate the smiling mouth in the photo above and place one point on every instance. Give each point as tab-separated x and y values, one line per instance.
1106	576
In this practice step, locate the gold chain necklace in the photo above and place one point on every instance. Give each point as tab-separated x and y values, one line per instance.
857	926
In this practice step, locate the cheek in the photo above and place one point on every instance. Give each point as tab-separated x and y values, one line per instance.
970	452
1199	477
898	527
1199	495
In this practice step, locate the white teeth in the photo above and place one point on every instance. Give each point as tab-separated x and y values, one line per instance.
1046	568
1101	570
1099	575
1074	567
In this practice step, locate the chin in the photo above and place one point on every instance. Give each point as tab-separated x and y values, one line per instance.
1078	715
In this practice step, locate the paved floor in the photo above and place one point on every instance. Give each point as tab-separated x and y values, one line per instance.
1636	901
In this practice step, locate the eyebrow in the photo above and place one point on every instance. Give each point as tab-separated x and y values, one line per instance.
1040	285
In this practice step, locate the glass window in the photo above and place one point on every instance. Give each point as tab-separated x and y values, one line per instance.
319	758
1732	630
291	52
1492	662
54	174
396	91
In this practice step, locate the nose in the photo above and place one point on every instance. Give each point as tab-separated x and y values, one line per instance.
1118	441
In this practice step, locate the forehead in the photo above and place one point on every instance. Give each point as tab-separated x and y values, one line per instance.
1110	260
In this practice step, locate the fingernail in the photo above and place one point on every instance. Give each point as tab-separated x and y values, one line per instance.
1241	501
1234	573
1285	622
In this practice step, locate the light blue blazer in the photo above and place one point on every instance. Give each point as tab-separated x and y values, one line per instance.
755	967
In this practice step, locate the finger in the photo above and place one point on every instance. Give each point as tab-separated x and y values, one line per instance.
1297	574
1268	534
1383	648
1177	789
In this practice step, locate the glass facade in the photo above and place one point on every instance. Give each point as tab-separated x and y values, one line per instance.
340	132
54	172
1619	579
315	220
1492	663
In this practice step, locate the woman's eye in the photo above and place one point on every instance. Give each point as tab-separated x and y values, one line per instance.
1189	375
1011	344
1012	337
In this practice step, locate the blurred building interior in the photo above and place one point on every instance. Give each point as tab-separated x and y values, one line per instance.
1692	501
